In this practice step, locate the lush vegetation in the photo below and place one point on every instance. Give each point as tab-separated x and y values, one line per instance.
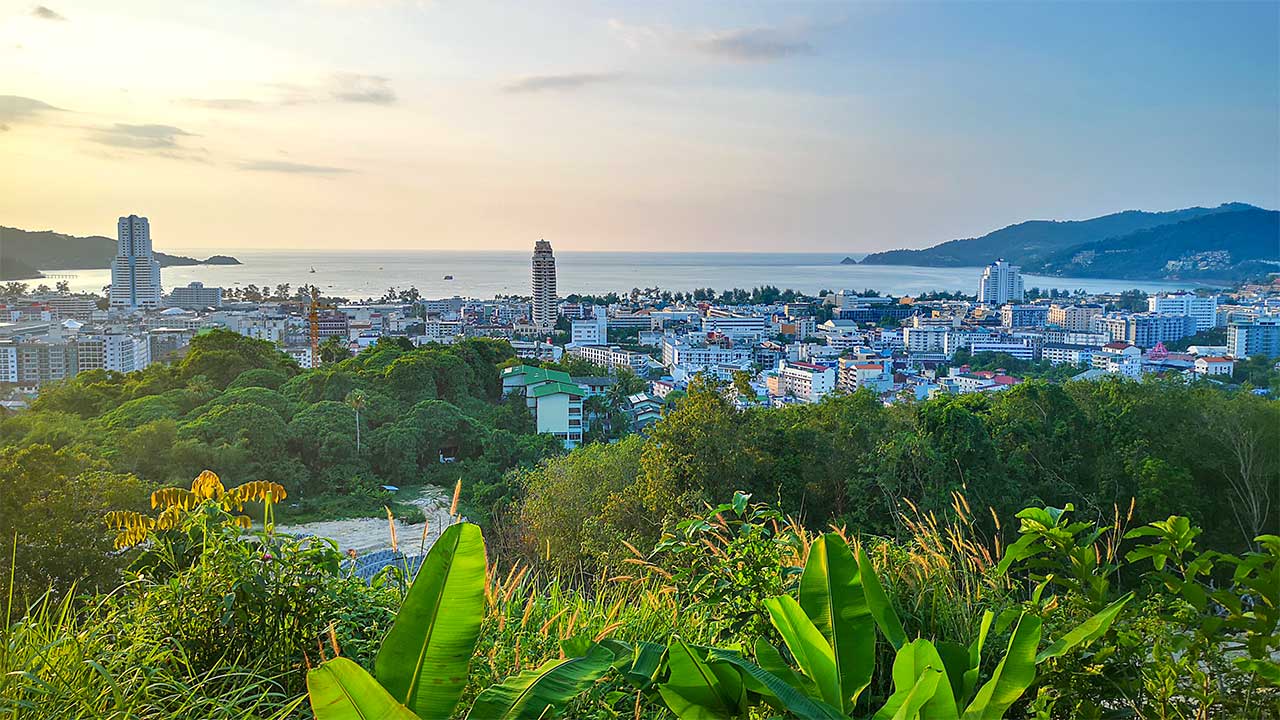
1098	549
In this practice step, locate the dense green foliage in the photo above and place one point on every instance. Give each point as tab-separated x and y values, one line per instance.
243	409
1166	446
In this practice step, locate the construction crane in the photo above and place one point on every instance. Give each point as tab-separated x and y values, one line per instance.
314	317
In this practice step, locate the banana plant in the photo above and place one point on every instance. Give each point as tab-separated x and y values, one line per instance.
830	633
421	668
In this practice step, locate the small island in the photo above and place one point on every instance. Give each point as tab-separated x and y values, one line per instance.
221	260
848	261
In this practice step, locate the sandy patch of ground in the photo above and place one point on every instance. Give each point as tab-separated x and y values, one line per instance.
366	535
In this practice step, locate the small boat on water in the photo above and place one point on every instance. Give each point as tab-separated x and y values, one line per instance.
448	277
313	269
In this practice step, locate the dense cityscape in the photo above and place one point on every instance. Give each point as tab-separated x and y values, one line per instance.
767	347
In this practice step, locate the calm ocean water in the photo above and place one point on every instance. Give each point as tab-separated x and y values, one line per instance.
485	274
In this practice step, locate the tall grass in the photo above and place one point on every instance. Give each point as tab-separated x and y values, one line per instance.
67	660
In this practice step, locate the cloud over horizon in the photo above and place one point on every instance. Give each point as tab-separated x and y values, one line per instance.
754	44
566	81
284	166
357	88
15	109
46	13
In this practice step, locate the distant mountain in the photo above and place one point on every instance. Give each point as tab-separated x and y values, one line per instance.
1224	246
24	252
1034	241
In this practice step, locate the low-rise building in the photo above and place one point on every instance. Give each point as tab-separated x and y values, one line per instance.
1058	354
805	381
1210	366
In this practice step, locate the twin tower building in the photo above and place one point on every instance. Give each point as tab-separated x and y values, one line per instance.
135	273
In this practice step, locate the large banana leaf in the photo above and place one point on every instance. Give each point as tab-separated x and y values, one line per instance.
1086	632
831	595
697	690
812	653
771	661
640	665
342	690
920	685
878	602
782	693
975	658
424	659
1012	677
542	692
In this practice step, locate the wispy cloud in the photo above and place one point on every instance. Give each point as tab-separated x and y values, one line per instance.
339	87
282	166
140	137
221	103
356	88
17	109
159	140
754	44
45	13
748	44
568	81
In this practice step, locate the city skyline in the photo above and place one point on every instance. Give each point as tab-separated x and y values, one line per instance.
824	128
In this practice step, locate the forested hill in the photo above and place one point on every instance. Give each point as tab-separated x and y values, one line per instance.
1223	246
22	252
1034	241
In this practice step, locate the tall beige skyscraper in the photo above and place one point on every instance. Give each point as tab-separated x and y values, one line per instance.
544	285
135	274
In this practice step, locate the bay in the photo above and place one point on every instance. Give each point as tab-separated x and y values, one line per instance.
368	274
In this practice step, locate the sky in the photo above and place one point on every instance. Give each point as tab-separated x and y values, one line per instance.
662	126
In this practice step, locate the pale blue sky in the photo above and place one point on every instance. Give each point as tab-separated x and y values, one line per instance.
691	126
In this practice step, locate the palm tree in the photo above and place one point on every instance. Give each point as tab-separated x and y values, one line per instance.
356	399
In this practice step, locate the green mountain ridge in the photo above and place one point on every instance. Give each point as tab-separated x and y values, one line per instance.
1223	246
1033	242
23	253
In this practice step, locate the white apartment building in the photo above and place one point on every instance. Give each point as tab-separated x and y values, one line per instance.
116	351
612	356
805	381
135	273
195	296
1259	336
1119	358
859	374
590	331
925	338
1203	309
1058	354
687	352
1021	350
544	285
738	327
1001	283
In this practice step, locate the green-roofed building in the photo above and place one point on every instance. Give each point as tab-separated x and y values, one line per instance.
553	398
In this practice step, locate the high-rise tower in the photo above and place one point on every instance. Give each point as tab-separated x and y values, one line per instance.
544	285
135	274
1001	283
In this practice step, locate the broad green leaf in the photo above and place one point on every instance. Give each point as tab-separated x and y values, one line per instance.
696	691
881	609
771	661
831	595
955	661
790	698
975	658
1086	632
639	665
811	651
913	664
910	702
544	691
1012	677
424	659
342	690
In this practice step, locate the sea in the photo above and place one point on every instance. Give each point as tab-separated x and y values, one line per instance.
369	274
